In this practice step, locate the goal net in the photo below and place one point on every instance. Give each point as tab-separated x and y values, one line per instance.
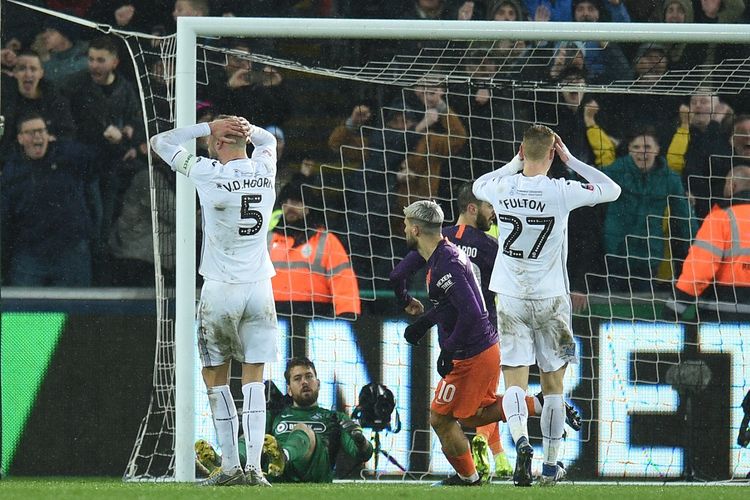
373	122
443	112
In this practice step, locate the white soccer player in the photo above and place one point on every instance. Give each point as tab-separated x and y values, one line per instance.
236	314
531	282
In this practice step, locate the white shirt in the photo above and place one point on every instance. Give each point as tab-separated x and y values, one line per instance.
236	200
532	215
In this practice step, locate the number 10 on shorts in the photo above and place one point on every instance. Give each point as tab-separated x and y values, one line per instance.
445	392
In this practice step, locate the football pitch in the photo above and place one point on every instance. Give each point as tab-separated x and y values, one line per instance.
84	488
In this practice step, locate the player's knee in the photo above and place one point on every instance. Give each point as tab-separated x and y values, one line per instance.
215	375
552	382
439	422
304	428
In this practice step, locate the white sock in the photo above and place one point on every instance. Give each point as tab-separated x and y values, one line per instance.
553	425
516	412
254	421
226	423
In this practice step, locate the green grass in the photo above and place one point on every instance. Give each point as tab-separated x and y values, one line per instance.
84	488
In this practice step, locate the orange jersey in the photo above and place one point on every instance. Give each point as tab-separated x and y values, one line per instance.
720	254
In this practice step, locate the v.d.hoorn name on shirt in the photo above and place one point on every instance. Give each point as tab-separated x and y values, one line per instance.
247	183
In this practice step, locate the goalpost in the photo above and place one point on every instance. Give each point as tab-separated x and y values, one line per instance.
188	29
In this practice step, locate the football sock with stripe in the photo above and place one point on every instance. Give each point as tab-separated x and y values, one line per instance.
516	412
226	423
254	421
553	425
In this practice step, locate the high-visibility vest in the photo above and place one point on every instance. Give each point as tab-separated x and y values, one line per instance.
720	254
319	271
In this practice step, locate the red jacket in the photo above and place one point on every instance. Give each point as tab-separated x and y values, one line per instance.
318	270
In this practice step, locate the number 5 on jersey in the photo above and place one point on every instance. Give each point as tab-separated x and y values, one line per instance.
249	214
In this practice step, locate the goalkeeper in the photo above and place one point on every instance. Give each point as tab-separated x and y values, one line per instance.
302	439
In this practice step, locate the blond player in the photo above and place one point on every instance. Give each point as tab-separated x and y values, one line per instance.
531	282
236	314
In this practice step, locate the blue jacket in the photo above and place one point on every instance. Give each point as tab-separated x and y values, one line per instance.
46	203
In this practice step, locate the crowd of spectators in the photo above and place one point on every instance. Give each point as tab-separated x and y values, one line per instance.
76	199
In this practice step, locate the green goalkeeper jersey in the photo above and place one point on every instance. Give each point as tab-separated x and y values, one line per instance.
333	430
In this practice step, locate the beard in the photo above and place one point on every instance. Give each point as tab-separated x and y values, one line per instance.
306	399
411	242
483	223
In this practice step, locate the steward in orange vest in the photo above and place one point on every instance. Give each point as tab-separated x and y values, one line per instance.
720	256
313	272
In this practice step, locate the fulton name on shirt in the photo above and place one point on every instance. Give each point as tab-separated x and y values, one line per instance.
523	203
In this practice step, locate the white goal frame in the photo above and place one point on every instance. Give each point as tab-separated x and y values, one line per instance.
189	28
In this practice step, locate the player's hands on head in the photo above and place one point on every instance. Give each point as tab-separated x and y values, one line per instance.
562	150
230	130
444	363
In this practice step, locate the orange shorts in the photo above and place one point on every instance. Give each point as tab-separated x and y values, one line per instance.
469	386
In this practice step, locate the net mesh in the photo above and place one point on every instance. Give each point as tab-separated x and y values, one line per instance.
488	94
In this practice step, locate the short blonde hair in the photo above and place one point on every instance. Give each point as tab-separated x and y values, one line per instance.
538	140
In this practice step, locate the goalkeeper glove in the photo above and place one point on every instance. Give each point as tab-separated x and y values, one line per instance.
414	332
445	363
364	448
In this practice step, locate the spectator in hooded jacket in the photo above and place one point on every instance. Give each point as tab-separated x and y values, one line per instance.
634	239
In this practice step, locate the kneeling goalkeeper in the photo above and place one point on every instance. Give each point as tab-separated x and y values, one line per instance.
303	439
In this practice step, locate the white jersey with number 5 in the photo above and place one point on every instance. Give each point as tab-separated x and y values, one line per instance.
532	215
236	199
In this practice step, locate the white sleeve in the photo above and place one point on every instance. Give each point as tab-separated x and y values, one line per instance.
168	145
599	190
608	188
483	187
264	143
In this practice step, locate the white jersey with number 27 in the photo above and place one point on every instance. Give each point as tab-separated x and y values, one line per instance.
532	215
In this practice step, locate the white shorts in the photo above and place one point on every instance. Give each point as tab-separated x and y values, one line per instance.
237	321
536	331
